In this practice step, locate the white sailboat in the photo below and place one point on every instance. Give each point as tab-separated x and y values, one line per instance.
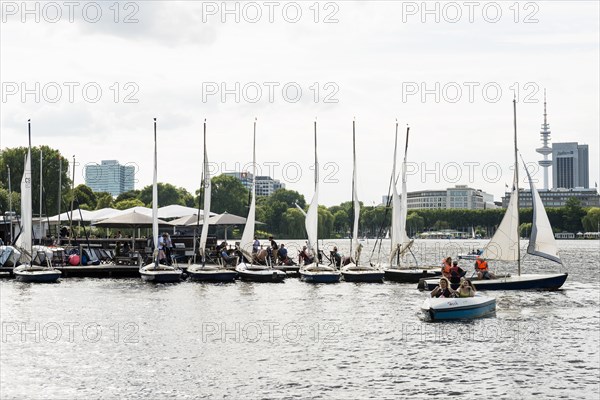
248	269
505	244
156	272
207	271
316	272
27	272
400	242
354	271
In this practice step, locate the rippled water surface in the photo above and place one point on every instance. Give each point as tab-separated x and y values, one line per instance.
109	338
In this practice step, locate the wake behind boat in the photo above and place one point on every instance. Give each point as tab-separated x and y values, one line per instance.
447	309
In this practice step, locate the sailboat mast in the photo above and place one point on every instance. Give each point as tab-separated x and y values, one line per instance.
353	183
41	195
155	200
517	187
316	183
72	200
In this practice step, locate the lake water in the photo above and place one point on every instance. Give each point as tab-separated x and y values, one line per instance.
109	338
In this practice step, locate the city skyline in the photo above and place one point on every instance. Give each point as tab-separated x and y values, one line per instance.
369	69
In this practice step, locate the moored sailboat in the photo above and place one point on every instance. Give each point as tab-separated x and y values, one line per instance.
212	271
355	271
247	269
505	244
28	272
400	242
156	272
316	272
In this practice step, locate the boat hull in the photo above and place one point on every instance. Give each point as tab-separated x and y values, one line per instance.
353	273
162	274
440	309
317	273
255	273
522	282
36	274
410	275
210	273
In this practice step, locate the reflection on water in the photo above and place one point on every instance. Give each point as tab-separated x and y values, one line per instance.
106	338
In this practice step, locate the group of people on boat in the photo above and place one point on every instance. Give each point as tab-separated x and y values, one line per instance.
452	272
466	288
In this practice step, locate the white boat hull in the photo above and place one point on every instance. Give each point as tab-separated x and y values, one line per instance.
160	274
259	273
319	273
443	309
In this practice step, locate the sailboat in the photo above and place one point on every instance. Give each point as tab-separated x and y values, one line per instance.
505	244
156	272
316	272
355	272
204	271
27	272
247	269
400	242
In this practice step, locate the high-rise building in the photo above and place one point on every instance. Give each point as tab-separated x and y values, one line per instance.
265	185
545	150
110	176
570	166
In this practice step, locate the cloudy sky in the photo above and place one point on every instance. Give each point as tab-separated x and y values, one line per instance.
91	76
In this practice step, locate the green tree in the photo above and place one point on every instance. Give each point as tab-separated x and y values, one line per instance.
525	229
340	221
414	223
51	158
125	204
229	195
167	195
325	228
132	194
293	223
84	195
591	221
103	200
573	214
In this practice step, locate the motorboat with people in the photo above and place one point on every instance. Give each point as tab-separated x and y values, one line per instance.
457	308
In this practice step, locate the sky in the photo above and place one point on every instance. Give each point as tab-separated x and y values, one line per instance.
92	76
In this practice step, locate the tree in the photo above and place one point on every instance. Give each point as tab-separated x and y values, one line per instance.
129	203
573	214
84	196
167	195
293	223
132	194
103	200
414	223
591	221
340	221
51	159
272	208
229	195
525	229
325	223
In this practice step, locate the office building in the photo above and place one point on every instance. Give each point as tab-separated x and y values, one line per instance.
110	176
556	197
570	166
265	185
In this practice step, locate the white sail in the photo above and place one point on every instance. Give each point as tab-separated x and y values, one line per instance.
24	239
400	240
155	197
311	222
355	202
541	242
504	244
404	208
248	234
207	193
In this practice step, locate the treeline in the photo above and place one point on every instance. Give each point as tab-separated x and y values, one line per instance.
279	212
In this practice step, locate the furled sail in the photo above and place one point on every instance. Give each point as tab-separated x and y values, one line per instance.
248	234
24	239
311	221
207	193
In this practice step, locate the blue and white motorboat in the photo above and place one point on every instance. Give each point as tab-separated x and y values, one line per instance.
447	309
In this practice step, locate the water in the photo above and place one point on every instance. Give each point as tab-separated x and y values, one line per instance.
107	338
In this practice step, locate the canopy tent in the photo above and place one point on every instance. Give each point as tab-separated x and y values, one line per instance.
176	211
131	219
78	215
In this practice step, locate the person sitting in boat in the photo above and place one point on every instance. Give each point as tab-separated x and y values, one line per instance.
456	273
227	259
304	256
466	288
282	254
255	245
481	267
336	257
446	265
443	289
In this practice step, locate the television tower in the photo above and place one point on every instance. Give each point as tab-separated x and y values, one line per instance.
545	150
